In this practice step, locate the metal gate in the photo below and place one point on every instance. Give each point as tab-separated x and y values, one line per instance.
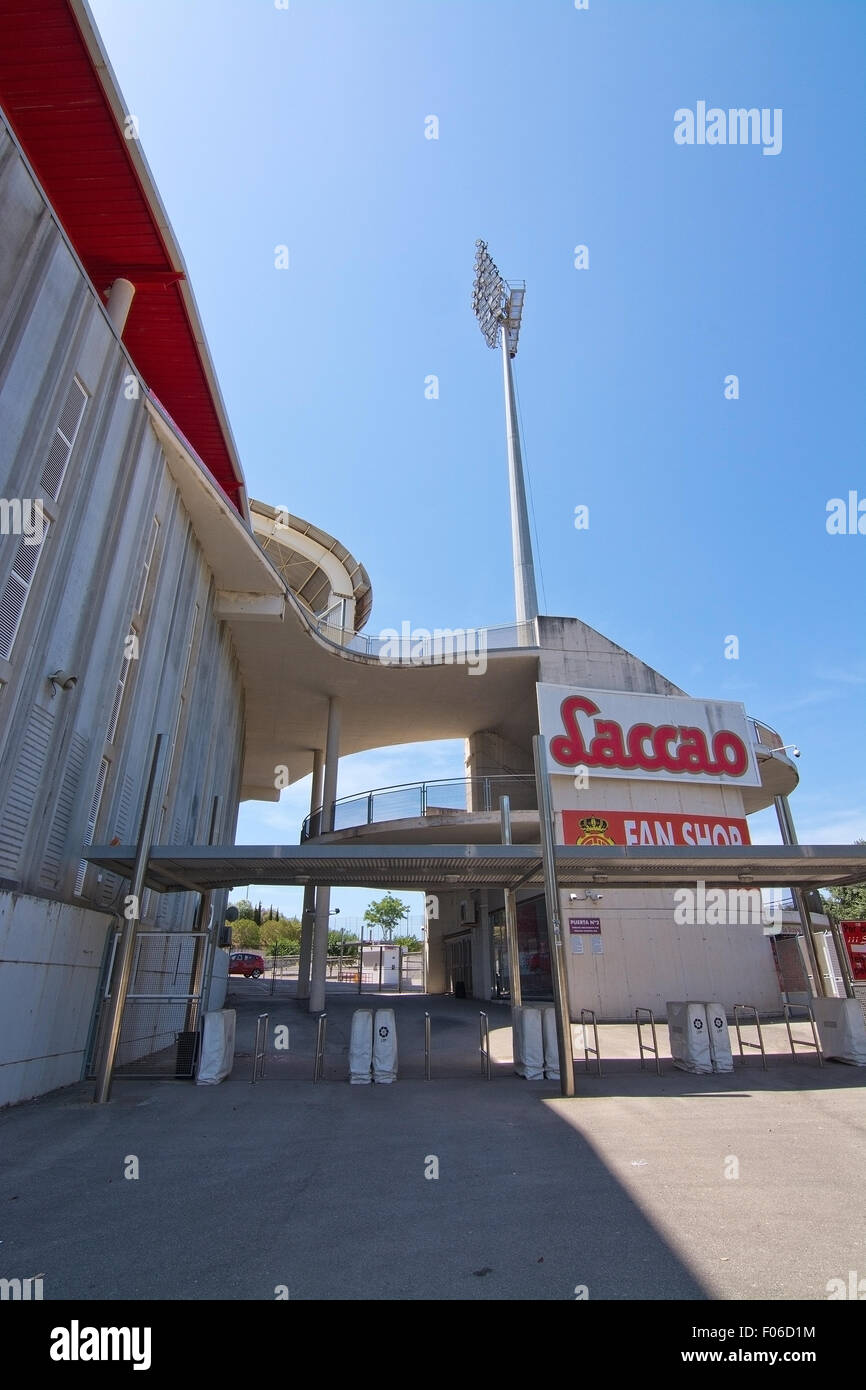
159	1032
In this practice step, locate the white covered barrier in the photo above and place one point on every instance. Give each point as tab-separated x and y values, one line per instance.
217	1047
528	1042
385	1047
551	1042
720	1038
842	1029
690	1045
361	1047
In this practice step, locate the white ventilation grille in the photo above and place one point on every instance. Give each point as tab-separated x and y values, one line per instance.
146	567
17	587
51	873
62	444
23	789
117	702
92	818
111	883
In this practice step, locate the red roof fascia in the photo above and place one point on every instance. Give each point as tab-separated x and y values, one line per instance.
53	99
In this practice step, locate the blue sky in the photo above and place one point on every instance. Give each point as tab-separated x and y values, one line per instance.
306	127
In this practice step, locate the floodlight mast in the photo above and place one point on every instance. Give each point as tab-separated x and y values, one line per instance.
498	307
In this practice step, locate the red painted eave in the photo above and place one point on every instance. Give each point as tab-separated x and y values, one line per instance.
55	102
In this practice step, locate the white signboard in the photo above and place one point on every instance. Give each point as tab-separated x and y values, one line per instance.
664	738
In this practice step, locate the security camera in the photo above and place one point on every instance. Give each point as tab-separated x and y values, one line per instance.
62	680
572	897
796	752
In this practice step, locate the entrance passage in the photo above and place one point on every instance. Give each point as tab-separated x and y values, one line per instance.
458	965
536	979
291	1053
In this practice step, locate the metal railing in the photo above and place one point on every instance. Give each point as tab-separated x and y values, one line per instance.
414	800
407	800
260	1049
588	1016
651	1048
422	647
321	1037
803	1042
749	1009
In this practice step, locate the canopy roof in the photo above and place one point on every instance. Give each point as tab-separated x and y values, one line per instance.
424	868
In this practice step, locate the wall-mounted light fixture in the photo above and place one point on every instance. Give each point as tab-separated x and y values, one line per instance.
62	680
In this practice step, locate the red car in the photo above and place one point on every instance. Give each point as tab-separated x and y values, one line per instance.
246	964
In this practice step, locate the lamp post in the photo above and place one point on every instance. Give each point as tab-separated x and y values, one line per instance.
498	307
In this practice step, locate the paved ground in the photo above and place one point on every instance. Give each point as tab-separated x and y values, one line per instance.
627	1189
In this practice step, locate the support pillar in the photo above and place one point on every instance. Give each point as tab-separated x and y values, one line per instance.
120	298
789	837
319	961
558	965
308	912
514	981
126	948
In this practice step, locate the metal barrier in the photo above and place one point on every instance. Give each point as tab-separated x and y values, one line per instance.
645	1047
427	1059
588	1016
260	1049
803	1042
484	1030
321	1034
749	1009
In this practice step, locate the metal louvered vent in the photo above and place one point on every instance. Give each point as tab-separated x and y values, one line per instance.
23	789
111	883
52	860
61	446
118	700
16	589
92	818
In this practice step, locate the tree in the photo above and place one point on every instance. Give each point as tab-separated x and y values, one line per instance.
257	915
245	932
848	903
386	913
245	908
409	943
285	930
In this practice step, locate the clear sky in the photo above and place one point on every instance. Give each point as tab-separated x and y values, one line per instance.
305	127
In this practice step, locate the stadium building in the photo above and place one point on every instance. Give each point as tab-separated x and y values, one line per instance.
146	603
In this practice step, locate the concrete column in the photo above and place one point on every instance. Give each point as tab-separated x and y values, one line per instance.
319	963
309	908
120	298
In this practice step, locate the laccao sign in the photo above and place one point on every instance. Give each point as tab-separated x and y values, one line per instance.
667	738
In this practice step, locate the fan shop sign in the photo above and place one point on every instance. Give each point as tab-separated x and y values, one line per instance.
652	828
665	738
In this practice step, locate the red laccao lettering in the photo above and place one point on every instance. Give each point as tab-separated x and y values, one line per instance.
659	748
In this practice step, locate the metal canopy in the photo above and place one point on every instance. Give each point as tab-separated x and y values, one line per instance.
422	868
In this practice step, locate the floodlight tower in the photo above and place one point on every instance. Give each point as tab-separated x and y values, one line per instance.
498	307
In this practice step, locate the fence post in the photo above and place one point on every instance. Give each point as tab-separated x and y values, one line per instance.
321	1034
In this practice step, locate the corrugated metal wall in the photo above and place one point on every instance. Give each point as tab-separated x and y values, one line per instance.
56	747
